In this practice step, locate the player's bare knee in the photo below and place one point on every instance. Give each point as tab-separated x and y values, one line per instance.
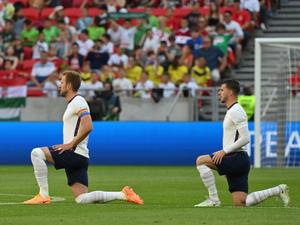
239	203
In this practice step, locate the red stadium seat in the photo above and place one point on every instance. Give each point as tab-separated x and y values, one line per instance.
159	12
58	63
31	13
73	14
46	12
181	12
34	92
27	65
27	52
92	12
204	11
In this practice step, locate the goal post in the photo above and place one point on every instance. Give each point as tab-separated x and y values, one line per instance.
277	109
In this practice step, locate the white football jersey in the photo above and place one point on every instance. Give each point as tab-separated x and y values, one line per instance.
72	123
235	118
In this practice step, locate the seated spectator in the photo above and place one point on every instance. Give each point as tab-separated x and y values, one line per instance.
221	39
214	57
115	33
75	59
294	81
112	104
193	17
40	46
153	69
8	35
8	70
107	44
186	59
19	21
196	41
89	88
144	87
8	10
162	55
173	50
118	58
127	36
162	32
86	73
10	54
29	35
96	57
184	29
123	85
243	17
59	15
214	16
177	71
167	86
19	49
61	45
203	28
134	71
106	74
150	42
42	70
247	101
84	21
141	30
52	85
85	44
232	27
95	31
201	72
188	86
50	31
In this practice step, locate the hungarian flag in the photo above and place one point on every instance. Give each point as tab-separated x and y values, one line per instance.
13	91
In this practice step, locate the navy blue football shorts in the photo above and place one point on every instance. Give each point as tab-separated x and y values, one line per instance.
75	165
236	167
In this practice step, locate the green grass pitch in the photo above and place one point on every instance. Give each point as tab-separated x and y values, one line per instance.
169	194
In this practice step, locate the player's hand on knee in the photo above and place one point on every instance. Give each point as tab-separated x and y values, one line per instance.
218	156
63	147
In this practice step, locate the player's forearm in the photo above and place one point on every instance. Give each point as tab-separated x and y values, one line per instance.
83	132
243	140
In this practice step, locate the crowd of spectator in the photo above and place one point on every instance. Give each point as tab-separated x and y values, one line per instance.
165	44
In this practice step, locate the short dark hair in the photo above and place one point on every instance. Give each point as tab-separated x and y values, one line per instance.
73	78
232	85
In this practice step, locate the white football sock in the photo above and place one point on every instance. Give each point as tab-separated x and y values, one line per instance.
40	170
259	196
208	179
99	197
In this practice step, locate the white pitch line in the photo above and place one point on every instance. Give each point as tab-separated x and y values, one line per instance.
53	199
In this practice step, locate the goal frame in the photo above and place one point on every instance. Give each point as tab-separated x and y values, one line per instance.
257	82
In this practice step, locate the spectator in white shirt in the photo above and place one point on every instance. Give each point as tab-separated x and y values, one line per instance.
234	28
85	44
42	70
127	36
41	45
251	5
144	87
115	32
122	85
151	42
107	45
88	89
167	86
118	58
189	86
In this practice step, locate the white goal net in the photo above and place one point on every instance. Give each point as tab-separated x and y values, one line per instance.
277	110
